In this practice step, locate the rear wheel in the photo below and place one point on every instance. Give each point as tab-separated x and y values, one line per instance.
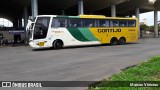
122	40
114	41
57	44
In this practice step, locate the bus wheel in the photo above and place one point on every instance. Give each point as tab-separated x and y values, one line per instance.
114	41
58	44
122	40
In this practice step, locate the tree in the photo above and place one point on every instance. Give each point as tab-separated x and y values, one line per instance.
144	27
151	28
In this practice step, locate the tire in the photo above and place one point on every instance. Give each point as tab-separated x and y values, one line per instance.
122	41
57	44
114	41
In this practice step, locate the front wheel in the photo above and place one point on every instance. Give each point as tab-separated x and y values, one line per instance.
57	44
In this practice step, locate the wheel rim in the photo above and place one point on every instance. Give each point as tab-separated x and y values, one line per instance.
57	45
114	42
122	41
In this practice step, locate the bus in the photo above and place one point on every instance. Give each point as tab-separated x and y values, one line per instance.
62	31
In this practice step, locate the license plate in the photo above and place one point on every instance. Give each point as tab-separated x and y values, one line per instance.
41	43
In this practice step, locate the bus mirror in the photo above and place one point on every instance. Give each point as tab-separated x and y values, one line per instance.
30	18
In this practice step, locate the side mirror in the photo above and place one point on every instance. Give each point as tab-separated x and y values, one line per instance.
30	26
30	18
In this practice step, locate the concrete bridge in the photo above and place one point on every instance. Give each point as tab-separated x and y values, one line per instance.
15	10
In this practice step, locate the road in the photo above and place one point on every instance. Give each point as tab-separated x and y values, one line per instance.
72	64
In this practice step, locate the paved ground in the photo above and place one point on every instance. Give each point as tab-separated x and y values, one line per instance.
72	64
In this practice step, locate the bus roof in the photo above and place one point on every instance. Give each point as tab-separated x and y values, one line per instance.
87	16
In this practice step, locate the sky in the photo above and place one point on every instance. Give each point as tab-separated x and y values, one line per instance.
149	16
5	22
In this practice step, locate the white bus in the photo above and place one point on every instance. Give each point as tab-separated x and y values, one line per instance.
61	31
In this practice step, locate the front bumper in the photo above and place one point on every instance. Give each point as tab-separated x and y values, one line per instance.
37	45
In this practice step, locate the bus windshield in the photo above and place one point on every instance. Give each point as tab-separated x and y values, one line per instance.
41	27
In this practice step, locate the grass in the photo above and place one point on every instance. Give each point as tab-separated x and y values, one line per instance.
146	71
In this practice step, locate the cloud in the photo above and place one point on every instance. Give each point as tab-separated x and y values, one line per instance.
149	16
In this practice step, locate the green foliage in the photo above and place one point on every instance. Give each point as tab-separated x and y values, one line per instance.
147	71
144	27
151	28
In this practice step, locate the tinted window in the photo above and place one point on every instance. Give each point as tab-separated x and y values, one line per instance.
131	23
75	23
44	21
114	23
41	27
123	23
89	22
59	22
103	23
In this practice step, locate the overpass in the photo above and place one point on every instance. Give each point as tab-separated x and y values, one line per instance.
15	10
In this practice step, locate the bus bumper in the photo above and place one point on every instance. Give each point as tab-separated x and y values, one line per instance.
36	45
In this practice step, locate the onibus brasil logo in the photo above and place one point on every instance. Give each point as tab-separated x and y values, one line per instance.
20	84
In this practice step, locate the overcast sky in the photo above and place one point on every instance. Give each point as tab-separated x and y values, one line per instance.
149	17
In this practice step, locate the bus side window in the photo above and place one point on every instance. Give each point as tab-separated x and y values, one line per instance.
89	22
114	23
59	22
131	23
62	23
55	23
103	23
123	23
75	23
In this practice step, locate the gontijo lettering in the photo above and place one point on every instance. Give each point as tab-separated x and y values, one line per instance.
108	30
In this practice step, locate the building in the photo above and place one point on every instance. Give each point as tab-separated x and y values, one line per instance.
12	36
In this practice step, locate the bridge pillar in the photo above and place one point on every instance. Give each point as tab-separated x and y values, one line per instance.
34	4
155	24
15	23
63	12
20	23
80	7
138	17
25	11
113	10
